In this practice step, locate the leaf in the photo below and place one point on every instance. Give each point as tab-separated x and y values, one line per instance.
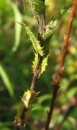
29	97
7	6
34	63
54	22
24	113
18	18
44	64
6	77
35	42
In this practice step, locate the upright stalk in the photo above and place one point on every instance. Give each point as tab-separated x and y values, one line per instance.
61	68
41	30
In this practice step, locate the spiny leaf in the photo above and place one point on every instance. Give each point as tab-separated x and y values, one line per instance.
29	97
35	62
54	21
34	41
44	64
24	113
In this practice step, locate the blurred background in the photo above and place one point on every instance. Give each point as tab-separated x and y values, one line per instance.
16	56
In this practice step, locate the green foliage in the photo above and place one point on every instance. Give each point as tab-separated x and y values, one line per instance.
18	17
54	22
7	6
35	42
28	98
7	79
44	64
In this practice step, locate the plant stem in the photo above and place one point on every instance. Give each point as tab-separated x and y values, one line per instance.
41	30
61	68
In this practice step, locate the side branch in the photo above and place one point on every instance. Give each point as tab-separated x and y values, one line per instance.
61	68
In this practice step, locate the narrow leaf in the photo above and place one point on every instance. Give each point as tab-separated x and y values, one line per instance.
18	18
7	5
7	80
44	64
35	42
54	22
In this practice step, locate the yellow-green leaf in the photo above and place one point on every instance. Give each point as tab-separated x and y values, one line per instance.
28	98
44	64
7	79
35	42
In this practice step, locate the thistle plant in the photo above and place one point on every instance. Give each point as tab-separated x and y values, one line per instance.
41	55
